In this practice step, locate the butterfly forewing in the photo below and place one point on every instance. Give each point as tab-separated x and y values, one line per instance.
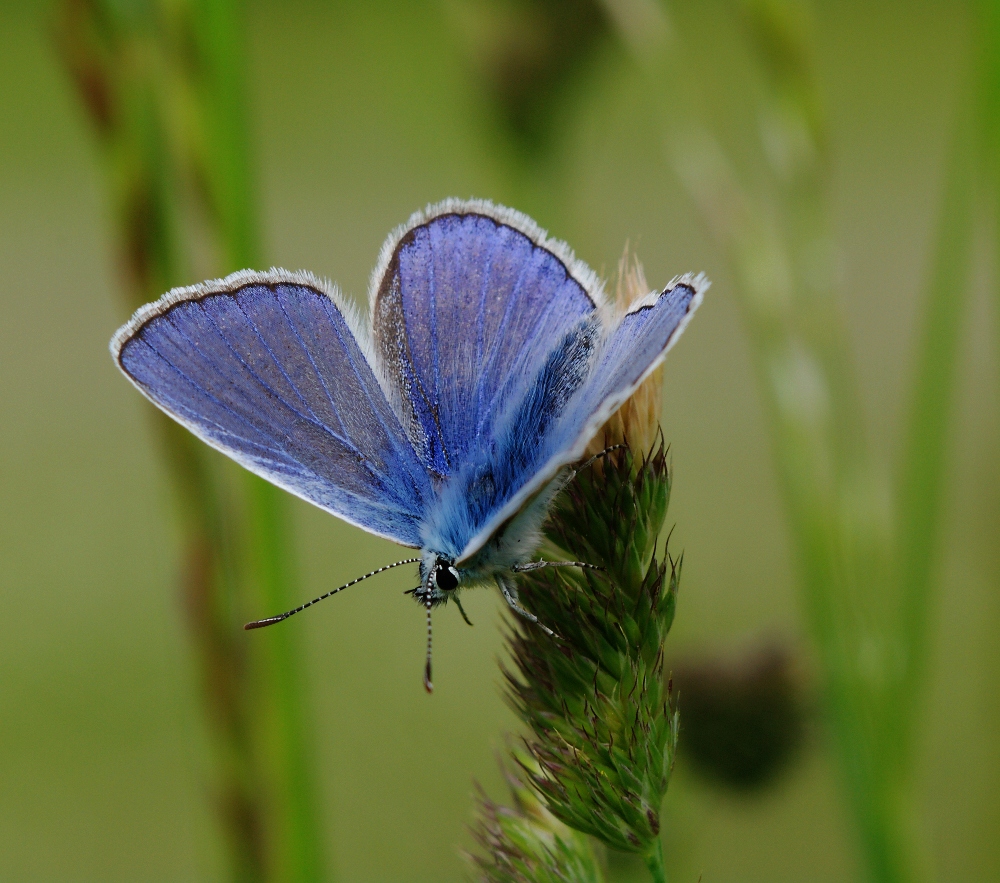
637	345
626	355
266	368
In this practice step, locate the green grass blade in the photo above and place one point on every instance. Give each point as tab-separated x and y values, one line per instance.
163	84
231	191
921	486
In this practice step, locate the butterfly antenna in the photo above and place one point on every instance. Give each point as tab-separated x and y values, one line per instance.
271	620
428	684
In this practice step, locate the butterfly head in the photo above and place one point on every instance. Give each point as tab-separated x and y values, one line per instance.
439	578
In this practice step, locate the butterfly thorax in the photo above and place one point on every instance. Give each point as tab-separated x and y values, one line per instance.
442	575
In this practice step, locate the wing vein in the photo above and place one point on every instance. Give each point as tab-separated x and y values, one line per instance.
277	363
312	362
275	455
502	327
271	391
200	389
480	325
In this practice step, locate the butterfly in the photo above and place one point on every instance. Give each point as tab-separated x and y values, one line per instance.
448	421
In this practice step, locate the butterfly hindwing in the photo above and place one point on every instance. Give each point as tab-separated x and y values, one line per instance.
266	368
494	474
467	297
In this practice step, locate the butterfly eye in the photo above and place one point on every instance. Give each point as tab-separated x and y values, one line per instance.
446	578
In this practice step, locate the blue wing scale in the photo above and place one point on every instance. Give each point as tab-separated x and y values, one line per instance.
465	302
266	368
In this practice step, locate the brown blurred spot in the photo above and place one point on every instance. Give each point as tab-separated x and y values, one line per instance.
527	56
742	716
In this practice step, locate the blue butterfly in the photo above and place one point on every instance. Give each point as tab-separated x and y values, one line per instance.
449	421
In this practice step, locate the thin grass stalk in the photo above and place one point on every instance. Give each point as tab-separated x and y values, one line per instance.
832	579
866	588
835	491
897	565
989	138
654	863
115	72
989	127
152	114
830	488
921	483
229	191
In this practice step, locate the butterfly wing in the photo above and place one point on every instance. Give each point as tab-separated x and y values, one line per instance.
268	369
630	353
467	295
615	367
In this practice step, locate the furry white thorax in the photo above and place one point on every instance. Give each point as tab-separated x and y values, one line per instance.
512	545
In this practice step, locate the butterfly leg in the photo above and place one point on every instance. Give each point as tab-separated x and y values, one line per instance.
461	609
510	596
528	566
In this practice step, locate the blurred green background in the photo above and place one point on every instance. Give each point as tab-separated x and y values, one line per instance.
360	114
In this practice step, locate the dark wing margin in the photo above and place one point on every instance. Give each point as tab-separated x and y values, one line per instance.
272	370
631	350
466	295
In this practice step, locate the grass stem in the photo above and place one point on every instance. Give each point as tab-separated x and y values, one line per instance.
163	84
866	576
654	862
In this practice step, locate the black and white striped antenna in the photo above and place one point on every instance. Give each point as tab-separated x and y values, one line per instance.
271	620
428	683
